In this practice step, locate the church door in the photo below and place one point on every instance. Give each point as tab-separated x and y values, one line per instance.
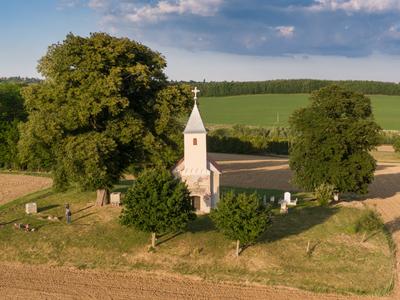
196	202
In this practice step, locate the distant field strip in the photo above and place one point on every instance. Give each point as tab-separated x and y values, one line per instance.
275	109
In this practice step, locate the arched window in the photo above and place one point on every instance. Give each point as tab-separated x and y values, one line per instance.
195	142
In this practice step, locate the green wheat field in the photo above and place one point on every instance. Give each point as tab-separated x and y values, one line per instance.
275	109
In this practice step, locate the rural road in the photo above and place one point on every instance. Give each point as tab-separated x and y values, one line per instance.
43	282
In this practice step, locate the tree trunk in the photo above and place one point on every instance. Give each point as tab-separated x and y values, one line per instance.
103	197
153	239
237	248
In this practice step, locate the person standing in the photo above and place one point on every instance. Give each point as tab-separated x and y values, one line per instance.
68	213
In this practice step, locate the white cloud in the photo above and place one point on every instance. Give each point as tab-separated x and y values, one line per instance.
285	31
164	8
97	4
356	5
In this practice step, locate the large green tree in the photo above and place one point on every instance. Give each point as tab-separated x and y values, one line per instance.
157	203
12	112
332	140
241	217
105	103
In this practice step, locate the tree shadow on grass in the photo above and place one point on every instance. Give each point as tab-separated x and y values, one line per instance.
82	217
166	237
10	222
394	225
83	209
48	207
201	224
298	220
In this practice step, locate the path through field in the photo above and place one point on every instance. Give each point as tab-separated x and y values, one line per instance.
13	186
44	282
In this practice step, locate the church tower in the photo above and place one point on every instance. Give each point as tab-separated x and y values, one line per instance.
197	169
195	140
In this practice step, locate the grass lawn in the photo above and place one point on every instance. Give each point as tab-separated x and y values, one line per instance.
275	109
339	262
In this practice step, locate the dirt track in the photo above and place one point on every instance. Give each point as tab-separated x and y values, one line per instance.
14	186
41	282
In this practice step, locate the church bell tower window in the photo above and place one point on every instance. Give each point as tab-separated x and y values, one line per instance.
195	142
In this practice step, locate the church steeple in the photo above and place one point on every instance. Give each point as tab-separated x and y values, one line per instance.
195	151
195	123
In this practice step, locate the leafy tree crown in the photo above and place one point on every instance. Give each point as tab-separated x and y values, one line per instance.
157	202
241	216
332	140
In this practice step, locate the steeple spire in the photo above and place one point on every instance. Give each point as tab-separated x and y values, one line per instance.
195	123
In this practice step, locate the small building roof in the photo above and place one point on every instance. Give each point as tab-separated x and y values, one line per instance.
195	123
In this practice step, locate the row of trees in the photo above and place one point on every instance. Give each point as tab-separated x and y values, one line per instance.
158	203
292	86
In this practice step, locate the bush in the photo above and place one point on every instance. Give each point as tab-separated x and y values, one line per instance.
241	217
157	203
369	221
324	193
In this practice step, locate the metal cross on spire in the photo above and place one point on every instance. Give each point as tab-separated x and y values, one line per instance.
195	91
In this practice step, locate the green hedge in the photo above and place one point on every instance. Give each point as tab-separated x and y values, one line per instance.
247	140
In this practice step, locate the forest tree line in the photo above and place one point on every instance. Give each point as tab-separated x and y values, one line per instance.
292	86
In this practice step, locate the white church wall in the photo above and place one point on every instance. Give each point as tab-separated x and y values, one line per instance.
195	155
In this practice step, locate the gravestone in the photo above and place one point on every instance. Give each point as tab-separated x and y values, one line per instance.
272	199
336	196
287	197
115	199
31	208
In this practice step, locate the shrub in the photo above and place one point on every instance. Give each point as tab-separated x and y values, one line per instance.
369	221
241	217
324	193
157	203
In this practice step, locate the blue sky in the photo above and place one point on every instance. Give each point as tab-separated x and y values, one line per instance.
219	39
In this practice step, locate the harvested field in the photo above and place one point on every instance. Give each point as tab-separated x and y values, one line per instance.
14	186
17	282
254	171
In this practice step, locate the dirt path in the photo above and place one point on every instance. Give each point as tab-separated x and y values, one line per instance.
14	186
43	282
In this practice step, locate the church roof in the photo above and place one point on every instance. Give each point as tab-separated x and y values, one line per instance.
195	123
210	163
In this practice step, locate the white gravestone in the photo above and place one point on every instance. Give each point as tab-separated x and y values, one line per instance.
115	199
336	196
287	197
31	208
272	199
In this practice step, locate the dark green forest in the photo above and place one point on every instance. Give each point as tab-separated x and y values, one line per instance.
292	86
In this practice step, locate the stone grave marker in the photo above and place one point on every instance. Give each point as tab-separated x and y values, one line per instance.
115	199
287	197
31	208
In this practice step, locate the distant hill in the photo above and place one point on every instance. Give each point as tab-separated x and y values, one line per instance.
291	86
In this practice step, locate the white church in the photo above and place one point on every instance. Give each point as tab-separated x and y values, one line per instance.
200	173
